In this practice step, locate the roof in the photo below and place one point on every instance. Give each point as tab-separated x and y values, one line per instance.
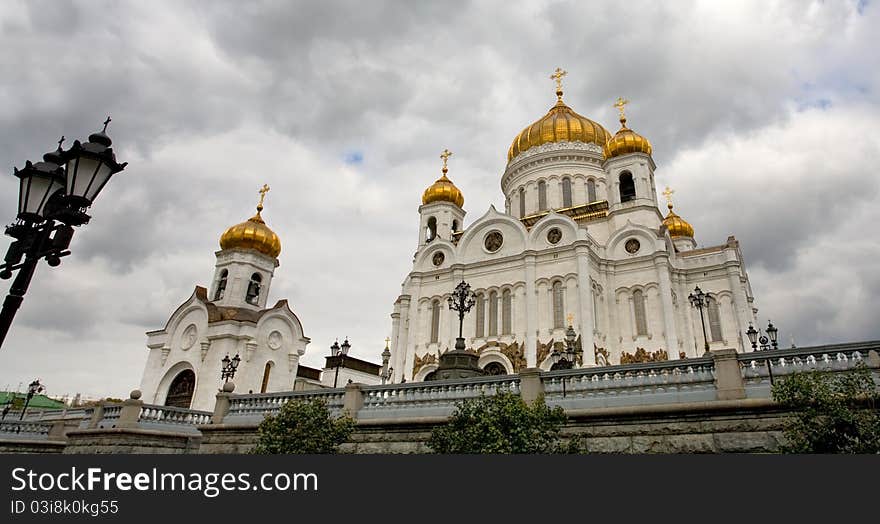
353	363
38	401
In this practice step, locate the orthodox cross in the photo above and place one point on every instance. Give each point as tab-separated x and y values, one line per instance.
60	141
619	105
668	194
387	341
570	319
106	122
557	76
445	156
263	190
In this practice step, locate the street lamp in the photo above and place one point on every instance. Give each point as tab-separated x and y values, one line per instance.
34	388
700	300
565	358
461	300
229	367
339	351
387	370
53	198
767	342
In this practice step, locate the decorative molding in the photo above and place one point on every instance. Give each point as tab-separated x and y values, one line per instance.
643	356
165	351
575	145
292	361
205	346
190	334
420	362
249	347
275	340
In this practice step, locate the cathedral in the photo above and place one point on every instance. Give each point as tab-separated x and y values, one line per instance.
581	242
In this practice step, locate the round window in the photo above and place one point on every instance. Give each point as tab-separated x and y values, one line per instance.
438	258
493	241
632	246
554	235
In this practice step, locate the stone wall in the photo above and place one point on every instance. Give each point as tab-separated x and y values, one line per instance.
127	440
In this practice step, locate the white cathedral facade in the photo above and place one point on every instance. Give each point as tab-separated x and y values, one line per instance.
580	242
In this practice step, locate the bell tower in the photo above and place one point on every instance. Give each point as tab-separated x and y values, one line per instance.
441	212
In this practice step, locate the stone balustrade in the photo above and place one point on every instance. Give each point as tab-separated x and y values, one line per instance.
25	430
668	382
430	399
758	366
167	417
254	407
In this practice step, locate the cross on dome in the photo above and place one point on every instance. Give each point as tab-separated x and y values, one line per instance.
263	190
668	194
445	156
621	102
557	76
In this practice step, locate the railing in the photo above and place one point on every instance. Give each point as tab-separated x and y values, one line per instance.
24	430
254	407
758	366
689	380
435	398
167	417
111	416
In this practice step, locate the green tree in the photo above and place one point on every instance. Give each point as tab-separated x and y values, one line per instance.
302	427
832	412
503	423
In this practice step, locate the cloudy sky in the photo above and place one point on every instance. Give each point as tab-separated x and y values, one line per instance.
764	117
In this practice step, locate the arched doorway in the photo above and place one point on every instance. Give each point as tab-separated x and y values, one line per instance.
180	392
494	368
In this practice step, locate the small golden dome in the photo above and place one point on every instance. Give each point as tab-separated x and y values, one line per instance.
253	234
626	141
443	190
560	124
677	226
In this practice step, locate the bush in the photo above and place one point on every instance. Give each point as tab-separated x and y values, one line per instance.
833	412
503	423
302	427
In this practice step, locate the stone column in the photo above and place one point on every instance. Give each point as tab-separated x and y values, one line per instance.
585	299
530	385
131	411
221	405
353	400
729	383
740	303
531	349
668	308
401	343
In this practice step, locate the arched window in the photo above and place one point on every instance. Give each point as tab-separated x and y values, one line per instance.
493	313
639	312
714	320
266	371
480	331
253	290
431	231
435	321
522	202
566	192
558	306
542	195
454	226
591	190
180	392
221	285
494	368
627	187
506	312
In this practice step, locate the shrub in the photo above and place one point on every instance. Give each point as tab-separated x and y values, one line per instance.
302	427
833	412
503	423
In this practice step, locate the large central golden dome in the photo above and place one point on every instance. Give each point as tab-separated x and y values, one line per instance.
560	124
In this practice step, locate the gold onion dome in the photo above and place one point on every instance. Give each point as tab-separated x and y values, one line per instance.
443	190
677	226
253	234
626	140
560	124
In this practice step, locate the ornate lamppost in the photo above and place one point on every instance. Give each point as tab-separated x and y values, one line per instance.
229	367
700	300
339	351
767	342
53	198
459	363
387	370
34	388
567	357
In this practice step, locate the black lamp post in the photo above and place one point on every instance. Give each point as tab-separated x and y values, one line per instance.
459	363
53	198
34	388
565	358
339	351
700	300
461	300
767	342
229	367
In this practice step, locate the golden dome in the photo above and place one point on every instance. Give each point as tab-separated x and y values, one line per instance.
560	124
626	141
677	226
443	190
253	234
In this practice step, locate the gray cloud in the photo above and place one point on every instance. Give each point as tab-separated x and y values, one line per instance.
764	119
